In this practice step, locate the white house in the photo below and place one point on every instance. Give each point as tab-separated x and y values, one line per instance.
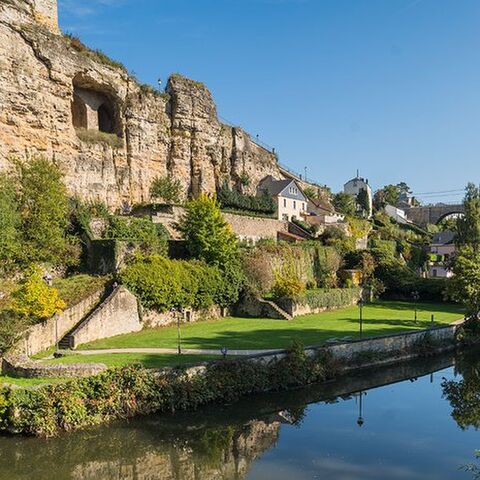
291	201
396	214
442	249
355	186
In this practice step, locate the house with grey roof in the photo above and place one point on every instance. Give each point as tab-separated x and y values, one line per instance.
291	201
442	249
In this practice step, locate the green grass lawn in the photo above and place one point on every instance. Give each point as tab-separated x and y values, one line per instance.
148	360
27	382
380	318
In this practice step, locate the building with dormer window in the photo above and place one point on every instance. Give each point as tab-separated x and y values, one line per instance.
291	202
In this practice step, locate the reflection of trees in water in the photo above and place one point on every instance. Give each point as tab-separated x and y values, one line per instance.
153	448
218	453
464	394
464	397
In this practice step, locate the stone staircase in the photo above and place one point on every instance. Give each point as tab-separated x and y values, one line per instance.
268	304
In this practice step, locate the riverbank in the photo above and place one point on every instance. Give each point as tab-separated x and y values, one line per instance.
129	391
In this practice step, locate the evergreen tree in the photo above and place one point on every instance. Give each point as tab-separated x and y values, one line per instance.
468	226
10	222
208	235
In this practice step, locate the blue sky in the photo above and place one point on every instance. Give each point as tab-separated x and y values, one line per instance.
391	87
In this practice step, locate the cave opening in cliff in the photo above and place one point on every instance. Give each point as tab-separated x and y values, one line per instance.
105	118
79	113
95	108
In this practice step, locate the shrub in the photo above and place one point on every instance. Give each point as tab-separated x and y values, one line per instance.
288	283
35	300
263	203
96	136
330	298
128	391
11	327
166	189
10	223
151	237
161	283
96	55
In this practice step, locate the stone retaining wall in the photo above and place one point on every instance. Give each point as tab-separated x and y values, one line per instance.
42	336
22	367
296	308
246	227
154	319
117	315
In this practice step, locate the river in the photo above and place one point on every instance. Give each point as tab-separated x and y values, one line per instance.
413	421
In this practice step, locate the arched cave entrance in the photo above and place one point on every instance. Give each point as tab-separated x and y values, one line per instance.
95	107
105	118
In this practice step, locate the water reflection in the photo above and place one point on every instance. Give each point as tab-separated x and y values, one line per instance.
309	433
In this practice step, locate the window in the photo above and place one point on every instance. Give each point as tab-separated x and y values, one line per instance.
284	216
294	205
435	273
285	203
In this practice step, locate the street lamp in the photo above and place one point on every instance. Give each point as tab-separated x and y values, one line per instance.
416	297
360	304
179	338
360	419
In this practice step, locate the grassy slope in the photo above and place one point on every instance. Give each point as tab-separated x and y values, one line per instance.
148	360
78	287
381	318
27	382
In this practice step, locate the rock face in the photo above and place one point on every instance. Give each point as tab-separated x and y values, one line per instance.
55	96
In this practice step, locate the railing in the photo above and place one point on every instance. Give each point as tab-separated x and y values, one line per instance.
255	139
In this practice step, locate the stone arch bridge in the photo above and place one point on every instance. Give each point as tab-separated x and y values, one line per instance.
432	213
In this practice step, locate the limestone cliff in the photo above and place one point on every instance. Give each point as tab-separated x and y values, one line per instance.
110	136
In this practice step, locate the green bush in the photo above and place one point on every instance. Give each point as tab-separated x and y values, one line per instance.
152	237
259	204
330	298
323	298
166	189
162	284
128	391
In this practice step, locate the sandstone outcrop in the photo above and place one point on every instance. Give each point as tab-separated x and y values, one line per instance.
110	135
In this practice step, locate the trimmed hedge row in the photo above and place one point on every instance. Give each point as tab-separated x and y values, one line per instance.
129	391
161	283
324	298
259	204
330	298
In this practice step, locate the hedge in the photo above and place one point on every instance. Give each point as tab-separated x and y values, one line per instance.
260	204
161	283
326	298
128	391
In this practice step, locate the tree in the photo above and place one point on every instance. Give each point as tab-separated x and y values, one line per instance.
35	300
167	189
311	193
10	222
344	203
390	195
363	201
44	207
209	237
464	286
468	226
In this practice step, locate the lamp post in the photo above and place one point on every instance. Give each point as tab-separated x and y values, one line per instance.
179	336
360	419
179	347
416	297
360	304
